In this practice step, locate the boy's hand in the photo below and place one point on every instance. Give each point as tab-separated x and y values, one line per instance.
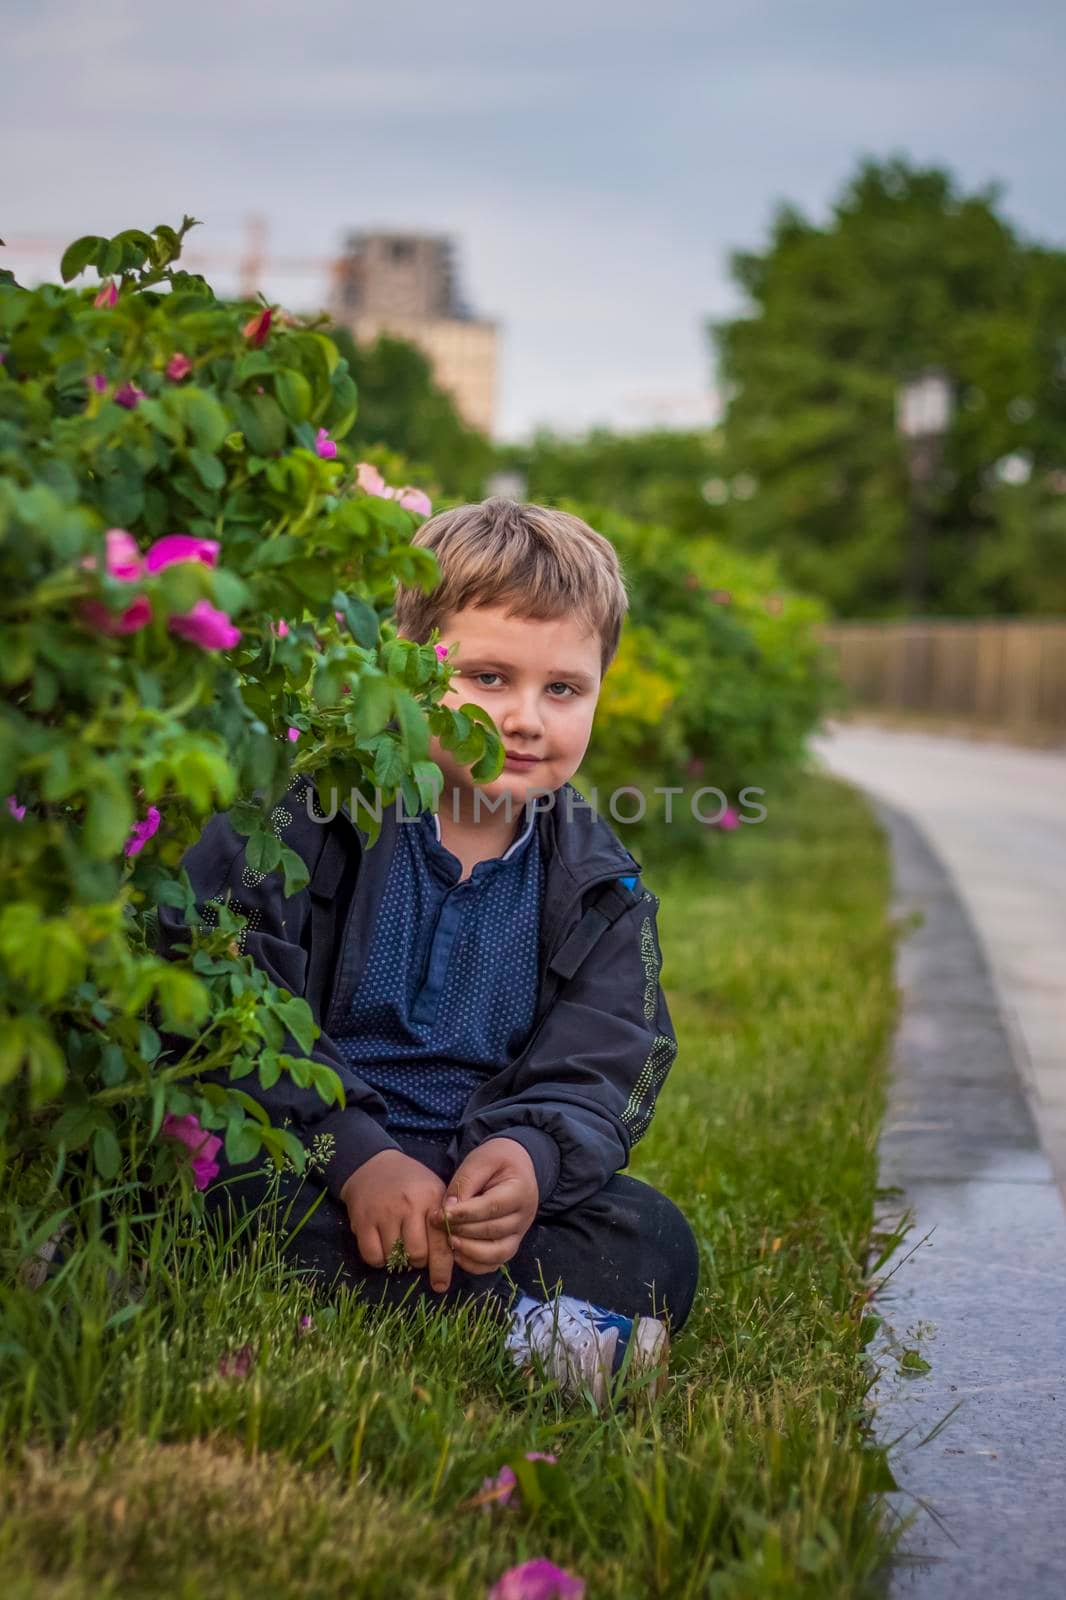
390	1197
490	1204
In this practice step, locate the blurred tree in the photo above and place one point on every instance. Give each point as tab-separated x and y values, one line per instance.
653	477
908	273
401	406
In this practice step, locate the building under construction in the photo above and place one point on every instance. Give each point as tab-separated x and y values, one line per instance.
404	284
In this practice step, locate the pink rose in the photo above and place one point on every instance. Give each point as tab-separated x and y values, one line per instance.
143	831
442	651
132	620
324	445
17	811
280	629
370	480
257	327
129	396
180	547
204	625
203	1145
107	297
415	500
179	366
537	1580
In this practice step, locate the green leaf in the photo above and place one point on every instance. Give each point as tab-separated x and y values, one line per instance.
295	868
389	763
299	1019
209	469
413	727
263	851
361	618
294	394
262	423
373	705
108	815
244	1140
76	256
107	1152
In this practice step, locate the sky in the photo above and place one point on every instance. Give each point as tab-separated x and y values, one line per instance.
595	160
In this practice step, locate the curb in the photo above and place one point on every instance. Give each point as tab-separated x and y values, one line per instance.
978	1443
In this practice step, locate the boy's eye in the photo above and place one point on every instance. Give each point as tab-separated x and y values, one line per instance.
557	691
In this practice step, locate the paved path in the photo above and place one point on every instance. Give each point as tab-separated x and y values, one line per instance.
996	817
979	1284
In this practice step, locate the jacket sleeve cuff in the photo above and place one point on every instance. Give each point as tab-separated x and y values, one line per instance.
356	1137
542	1151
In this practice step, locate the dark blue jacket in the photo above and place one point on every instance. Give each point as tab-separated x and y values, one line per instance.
582	1091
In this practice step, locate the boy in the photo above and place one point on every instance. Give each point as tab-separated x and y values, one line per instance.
487	981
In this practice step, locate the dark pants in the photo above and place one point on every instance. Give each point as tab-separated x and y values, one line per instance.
627	1248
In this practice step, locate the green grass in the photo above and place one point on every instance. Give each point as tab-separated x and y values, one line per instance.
339	1464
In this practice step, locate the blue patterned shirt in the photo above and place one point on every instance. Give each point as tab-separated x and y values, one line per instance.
449	991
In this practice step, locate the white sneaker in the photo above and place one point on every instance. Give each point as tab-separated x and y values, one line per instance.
584	1347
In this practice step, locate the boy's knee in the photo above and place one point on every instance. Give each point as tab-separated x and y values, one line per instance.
678	1260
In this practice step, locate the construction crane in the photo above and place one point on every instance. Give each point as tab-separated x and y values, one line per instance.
252	264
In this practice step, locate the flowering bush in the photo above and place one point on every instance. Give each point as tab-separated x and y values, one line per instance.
195	592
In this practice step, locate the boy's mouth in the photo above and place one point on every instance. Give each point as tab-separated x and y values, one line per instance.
514	759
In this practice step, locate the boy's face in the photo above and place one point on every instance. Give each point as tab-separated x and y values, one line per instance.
538	680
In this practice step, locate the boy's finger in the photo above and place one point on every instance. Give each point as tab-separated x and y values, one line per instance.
499	1201
441	1260
370	1247
485	1255
493	1228
414	1238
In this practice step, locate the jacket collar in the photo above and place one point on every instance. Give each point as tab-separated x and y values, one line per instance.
578	845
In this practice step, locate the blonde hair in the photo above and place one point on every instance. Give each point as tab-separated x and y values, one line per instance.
546	563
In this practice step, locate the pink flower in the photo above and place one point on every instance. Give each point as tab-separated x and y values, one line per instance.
108	295
721	597
204	625
132	620
294	734
537	1580
307	1324
180	547
122	556
143	831
129	396
324	445
728	820
204	1146
442	651
415	500
179	366
17	811
257	327
239	1364
498	1490
98	382
280	629
369	479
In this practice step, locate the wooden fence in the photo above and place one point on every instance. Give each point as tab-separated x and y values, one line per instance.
1007	673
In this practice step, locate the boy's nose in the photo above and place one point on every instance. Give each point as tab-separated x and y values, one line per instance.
522	718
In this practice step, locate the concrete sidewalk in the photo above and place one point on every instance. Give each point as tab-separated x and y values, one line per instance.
979	1284
978	838
995	815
